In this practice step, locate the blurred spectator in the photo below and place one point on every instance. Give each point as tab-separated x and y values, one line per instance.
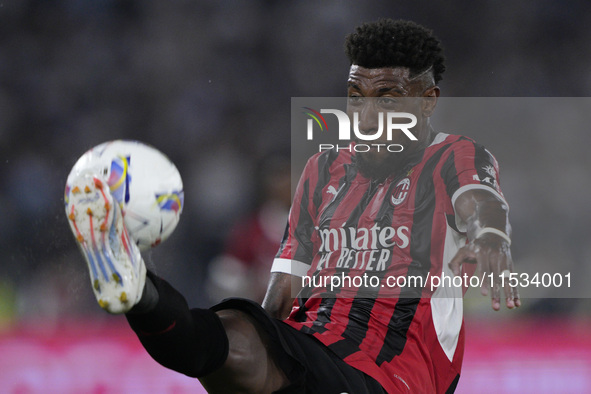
242	270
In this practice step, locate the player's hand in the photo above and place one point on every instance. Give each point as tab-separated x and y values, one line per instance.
492	255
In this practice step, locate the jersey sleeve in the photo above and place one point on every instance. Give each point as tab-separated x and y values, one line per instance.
296	250
470	166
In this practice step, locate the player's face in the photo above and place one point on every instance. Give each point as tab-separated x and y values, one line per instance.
389	90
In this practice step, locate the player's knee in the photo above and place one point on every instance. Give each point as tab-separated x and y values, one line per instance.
249	365
247	352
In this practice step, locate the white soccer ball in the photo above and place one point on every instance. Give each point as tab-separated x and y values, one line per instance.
144	181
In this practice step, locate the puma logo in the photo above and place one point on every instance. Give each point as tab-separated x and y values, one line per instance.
332	190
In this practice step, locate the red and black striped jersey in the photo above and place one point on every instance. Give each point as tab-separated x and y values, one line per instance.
343	224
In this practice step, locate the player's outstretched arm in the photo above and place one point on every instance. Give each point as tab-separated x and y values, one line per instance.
278	300
489	232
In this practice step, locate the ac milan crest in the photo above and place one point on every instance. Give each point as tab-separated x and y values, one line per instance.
400	192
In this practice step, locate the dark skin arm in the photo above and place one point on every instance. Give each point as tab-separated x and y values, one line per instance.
278	300
490	252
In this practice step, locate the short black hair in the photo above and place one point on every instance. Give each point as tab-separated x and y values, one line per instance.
400	43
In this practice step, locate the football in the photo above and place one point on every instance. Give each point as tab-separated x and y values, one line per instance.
145	183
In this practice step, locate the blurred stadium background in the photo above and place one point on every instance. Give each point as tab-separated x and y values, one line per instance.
209	83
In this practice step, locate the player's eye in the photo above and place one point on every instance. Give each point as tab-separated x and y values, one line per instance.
387	102
355	100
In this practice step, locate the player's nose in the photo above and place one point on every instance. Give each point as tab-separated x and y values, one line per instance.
369	120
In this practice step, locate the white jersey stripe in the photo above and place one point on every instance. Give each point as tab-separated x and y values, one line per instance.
446	302
289	266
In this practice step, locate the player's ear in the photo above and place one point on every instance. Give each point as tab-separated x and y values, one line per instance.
430	97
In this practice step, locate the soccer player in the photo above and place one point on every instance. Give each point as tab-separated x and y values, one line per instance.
435	208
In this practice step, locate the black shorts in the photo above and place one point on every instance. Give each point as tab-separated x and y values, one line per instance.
309	365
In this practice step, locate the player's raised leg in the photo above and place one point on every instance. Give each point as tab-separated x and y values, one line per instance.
225	350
